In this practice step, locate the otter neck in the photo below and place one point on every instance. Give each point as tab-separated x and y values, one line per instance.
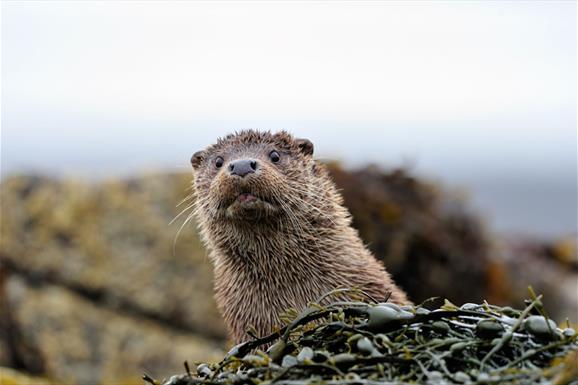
279	245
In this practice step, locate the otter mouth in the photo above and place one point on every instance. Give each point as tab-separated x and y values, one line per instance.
248	205
246	198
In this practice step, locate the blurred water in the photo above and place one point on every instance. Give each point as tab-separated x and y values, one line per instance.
517	192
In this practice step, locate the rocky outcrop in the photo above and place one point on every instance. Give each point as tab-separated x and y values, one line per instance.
92	288
434	244
111	243
80	342
428	238
96	286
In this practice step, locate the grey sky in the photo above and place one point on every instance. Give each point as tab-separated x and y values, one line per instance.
481	94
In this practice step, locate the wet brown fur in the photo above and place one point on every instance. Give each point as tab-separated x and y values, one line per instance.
295	244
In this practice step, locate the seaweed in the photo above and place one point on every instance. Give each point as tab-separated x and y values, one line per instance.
365	342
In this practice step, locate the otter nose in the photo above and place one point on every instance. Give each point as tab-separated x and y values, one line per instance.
242	167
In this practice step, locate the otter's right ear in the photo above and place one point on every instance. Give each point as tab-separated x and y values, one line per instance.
197	158
305	146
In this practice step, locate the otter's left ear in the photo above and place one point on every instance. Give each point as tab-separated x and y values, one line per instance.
197	158
305	146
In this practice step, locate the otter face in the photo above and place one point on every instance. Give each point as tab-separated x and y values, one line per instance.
251	176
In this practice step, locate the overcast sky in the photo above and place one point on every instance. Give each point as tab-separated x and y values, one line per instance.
475	93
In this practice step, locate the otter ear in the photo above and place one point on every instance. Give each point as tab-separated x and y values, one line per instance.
305	146
197	158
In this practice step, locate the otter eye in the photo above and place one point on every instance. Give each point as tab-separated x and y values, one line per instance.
219	162
274	156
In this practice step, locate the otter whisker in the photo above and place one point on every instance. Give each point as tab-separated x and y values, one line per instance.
313	207
181	213
189	217
189	197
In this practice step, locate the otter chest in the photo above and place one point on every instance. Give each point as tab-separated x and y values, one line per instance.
256	297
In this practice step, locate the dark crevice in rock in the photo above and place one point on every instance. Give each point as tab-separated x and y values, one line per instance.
19	354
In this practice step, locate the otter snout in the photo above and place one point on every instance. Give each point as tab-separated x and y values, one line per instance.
242	167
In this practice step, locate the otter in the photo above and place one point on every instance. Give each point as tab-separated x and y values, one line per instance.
276	230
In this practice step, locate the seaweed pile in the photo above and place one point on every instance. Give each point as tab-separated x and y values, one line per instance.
365	342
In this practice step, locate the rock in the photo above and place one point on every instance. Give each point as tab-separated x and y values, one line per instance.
13	377
112	243
86	344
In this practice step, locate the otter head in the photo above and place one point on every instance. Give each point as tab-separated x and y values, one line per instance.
252	176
